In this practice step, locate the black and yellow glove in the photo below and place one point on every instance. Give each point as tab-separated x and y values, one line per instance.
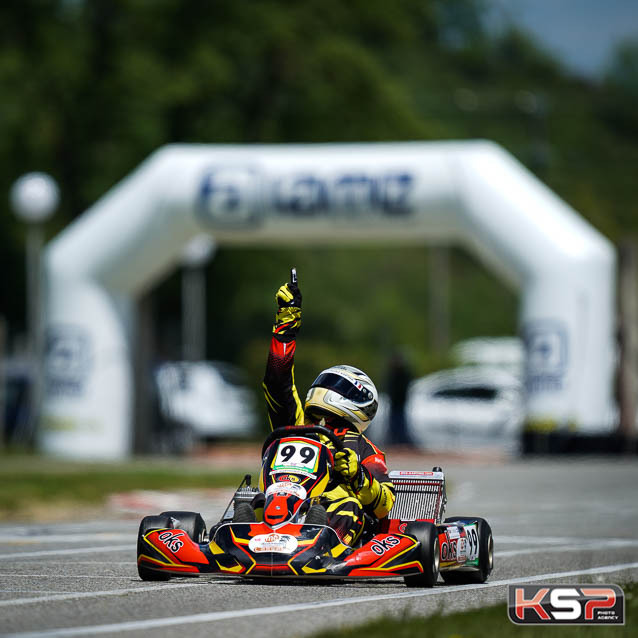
347	464
288	317
378	496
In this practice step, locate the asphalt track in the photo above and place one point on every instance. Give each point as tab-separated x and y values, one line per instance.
553	521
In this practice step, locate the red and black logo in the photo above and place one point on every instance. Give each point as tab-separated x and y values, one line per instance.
566	604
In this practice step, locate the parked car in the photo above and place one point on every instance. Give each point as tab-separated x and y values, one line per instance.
460	408
465	407
207	398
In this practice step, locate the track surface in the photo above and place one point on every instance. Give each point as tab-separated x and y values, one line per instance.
569	521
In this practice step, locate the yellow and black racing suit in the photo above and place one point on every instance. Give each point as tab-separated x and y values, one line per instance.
344	504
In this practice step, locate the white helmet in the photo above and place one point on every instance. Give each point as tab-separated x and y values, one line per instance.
345	392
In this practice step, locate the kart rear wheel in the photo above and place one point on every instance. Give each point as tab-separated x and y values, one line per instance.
148	524
486	555
191	522
427	535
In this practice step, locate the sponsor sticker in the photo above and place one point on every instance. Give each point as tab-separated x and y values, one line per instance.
566	604
287	478
453	532
382	545
461	550
172	540
284	487
448	551
273	542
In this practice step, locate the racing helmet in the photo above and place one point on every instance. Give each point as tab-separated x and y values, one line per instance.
344	392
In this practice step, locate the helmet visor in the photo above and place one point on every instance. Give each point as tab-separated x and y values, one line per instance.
348	389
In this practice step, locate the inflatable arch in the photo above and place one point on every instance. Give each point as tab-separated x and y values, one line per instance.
469	192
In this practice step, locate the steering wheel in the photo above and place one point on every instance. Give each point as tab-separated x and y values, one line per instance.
294	430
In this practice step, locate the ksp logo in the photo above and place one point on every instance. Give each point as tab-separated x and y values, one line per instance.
566	605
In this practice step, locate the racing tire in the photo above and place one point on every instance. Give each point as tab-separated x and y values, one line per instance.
316	515
428	554
244	513
148	524
486	555
191	522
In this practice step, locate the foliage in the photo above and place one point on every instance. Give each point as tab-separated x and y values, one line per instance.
90	89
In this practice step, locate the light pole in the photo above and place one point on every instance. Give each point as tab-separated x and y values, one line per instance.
34	198
195	256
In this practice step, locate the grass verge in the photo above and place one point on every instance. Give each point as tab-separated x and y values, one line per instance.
30	482
488	622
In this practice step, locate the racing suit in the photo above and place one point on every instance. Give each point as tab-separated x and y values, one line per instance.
345	502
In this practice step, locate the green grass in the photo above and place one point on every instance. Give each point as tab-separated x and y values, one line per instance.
488	622
31	483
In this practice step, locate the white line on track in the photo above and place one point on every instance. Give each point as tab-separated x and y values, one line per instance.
26	591
156	623
550	540
97	594
573	547
75	550
28	539
123	577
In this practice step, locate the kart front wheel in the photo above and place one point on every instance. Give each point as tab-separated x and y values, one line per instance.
191	522
429	558
485	559
317	515
244	513
148	524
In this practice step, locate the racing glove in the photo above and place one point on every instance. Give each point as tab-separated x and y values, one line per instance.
347	464
288	317
369	490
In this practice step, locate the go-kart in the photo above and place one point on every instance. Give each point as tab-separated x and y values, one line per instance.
292	538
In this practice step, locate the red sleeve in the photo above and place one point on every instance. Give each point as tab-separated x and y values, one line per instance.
282	400
373	459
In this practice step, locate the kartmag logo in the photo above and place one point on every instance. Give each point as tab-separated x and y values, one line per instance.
566	604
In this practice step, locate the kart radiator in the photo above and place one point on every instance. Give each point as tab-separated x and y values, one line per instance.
419	495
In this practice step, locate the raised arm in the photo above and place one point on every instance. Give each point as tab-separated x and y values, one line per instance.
282	400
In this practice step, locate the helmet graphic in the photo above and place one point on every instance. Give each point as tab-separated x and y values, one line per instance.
345	392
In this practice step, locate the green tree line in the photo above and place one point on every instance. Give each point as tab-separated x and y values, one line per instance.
91	87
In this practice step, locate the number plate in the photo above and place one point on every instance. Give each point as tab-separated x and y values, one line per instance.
472	543
297	455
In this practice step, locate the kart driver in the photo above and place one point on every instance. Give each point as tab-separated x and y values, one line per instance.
341	398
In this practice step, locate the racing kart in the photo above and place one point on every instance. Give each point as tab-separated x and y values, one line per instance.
280	528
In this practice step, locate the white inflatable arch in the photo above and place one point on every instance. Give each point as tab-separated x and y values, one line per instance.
469	192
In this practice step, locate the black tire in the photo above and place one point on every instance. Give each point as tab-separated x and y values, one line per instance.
486	555
148	524
427	535
244	513
191	522
316	515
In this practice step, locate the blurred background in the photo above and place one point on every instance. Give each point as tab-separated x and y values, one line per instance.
91	88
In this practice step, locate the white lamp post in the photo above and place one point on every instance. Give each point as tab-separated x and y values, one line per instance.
34	198
195	256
